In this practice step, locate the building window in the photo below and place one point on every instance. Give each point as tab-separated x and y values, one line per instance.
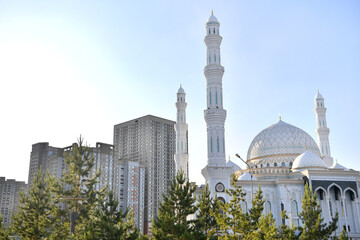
216	101
210	97
218	145
267	208
211	144
295	215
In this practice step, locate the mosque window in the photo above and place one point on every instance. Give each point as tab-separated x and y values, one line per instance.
223	145
294	211
319	123
323	123
221	98
267	208
218	145
331	210
214	57
178	146
268	164
211	145
283	164
321	104
275	164
209	33
214	30
182	146
209	59
243	206
317	103
210	98
326	149
291	163
322	149
216	101
181	118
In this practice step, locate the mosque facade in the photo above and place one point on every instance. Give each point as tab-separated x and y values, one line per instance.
281	159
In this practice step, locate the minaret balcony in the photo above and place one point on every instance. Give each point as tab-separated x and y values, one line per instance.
213	39
215	115
214	70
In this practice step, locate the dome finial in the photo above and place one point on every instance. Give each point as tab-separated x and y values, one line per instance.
180	85
279	117
212	12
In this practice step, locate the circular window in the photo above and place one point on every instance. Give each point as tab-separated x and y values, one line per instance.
219	187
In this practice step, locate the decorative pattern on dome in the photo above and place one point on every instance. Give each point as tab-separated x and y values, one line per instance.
308	160
279	139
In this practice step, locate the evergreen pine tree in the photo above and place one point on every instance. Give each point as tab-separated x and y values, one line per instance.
287	232
113	224
3	231
343	235
76	192
266	228
33	219
313	226
172	222
233	223
205	221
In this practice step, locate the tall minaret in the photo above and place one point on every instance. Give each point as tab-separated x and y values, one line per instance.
216	173
322	131
215	115
181	129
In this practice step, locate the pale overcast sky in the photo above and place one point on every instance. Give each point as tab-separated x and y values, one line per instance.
80	67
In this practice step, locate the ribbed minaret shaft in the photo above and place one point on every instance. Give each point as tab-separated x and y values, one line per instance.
322	131
181	129
214	115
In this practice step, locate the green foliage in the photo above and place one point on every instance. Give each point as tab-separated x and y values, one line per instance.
266	228
313	226
110	222
172	222
205	221
343	235
33	219
3	231
287	232
77	191
233	223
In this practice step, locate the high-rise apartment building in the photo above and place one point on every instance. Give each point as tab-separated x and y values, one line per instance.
9	197
150	141
104	161
47	158
129	187
51	159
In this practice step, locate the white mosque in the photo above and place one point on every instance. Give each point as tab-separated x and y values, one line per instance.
281	159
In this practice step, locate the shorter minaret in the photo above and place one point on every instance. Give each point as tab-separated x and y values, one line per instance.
181	129
322	131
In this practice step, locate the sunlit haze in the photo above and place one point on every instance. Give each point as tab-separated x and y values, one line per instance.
80	67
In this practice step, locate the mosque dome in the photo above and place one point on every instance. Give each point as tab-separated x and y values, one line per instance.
246	177
281	139
212	18
318	96
181	90
233	165
308	160
338	166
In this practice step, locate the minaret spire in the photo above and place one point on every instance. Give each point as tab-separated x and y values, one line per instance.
322	131
181	128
